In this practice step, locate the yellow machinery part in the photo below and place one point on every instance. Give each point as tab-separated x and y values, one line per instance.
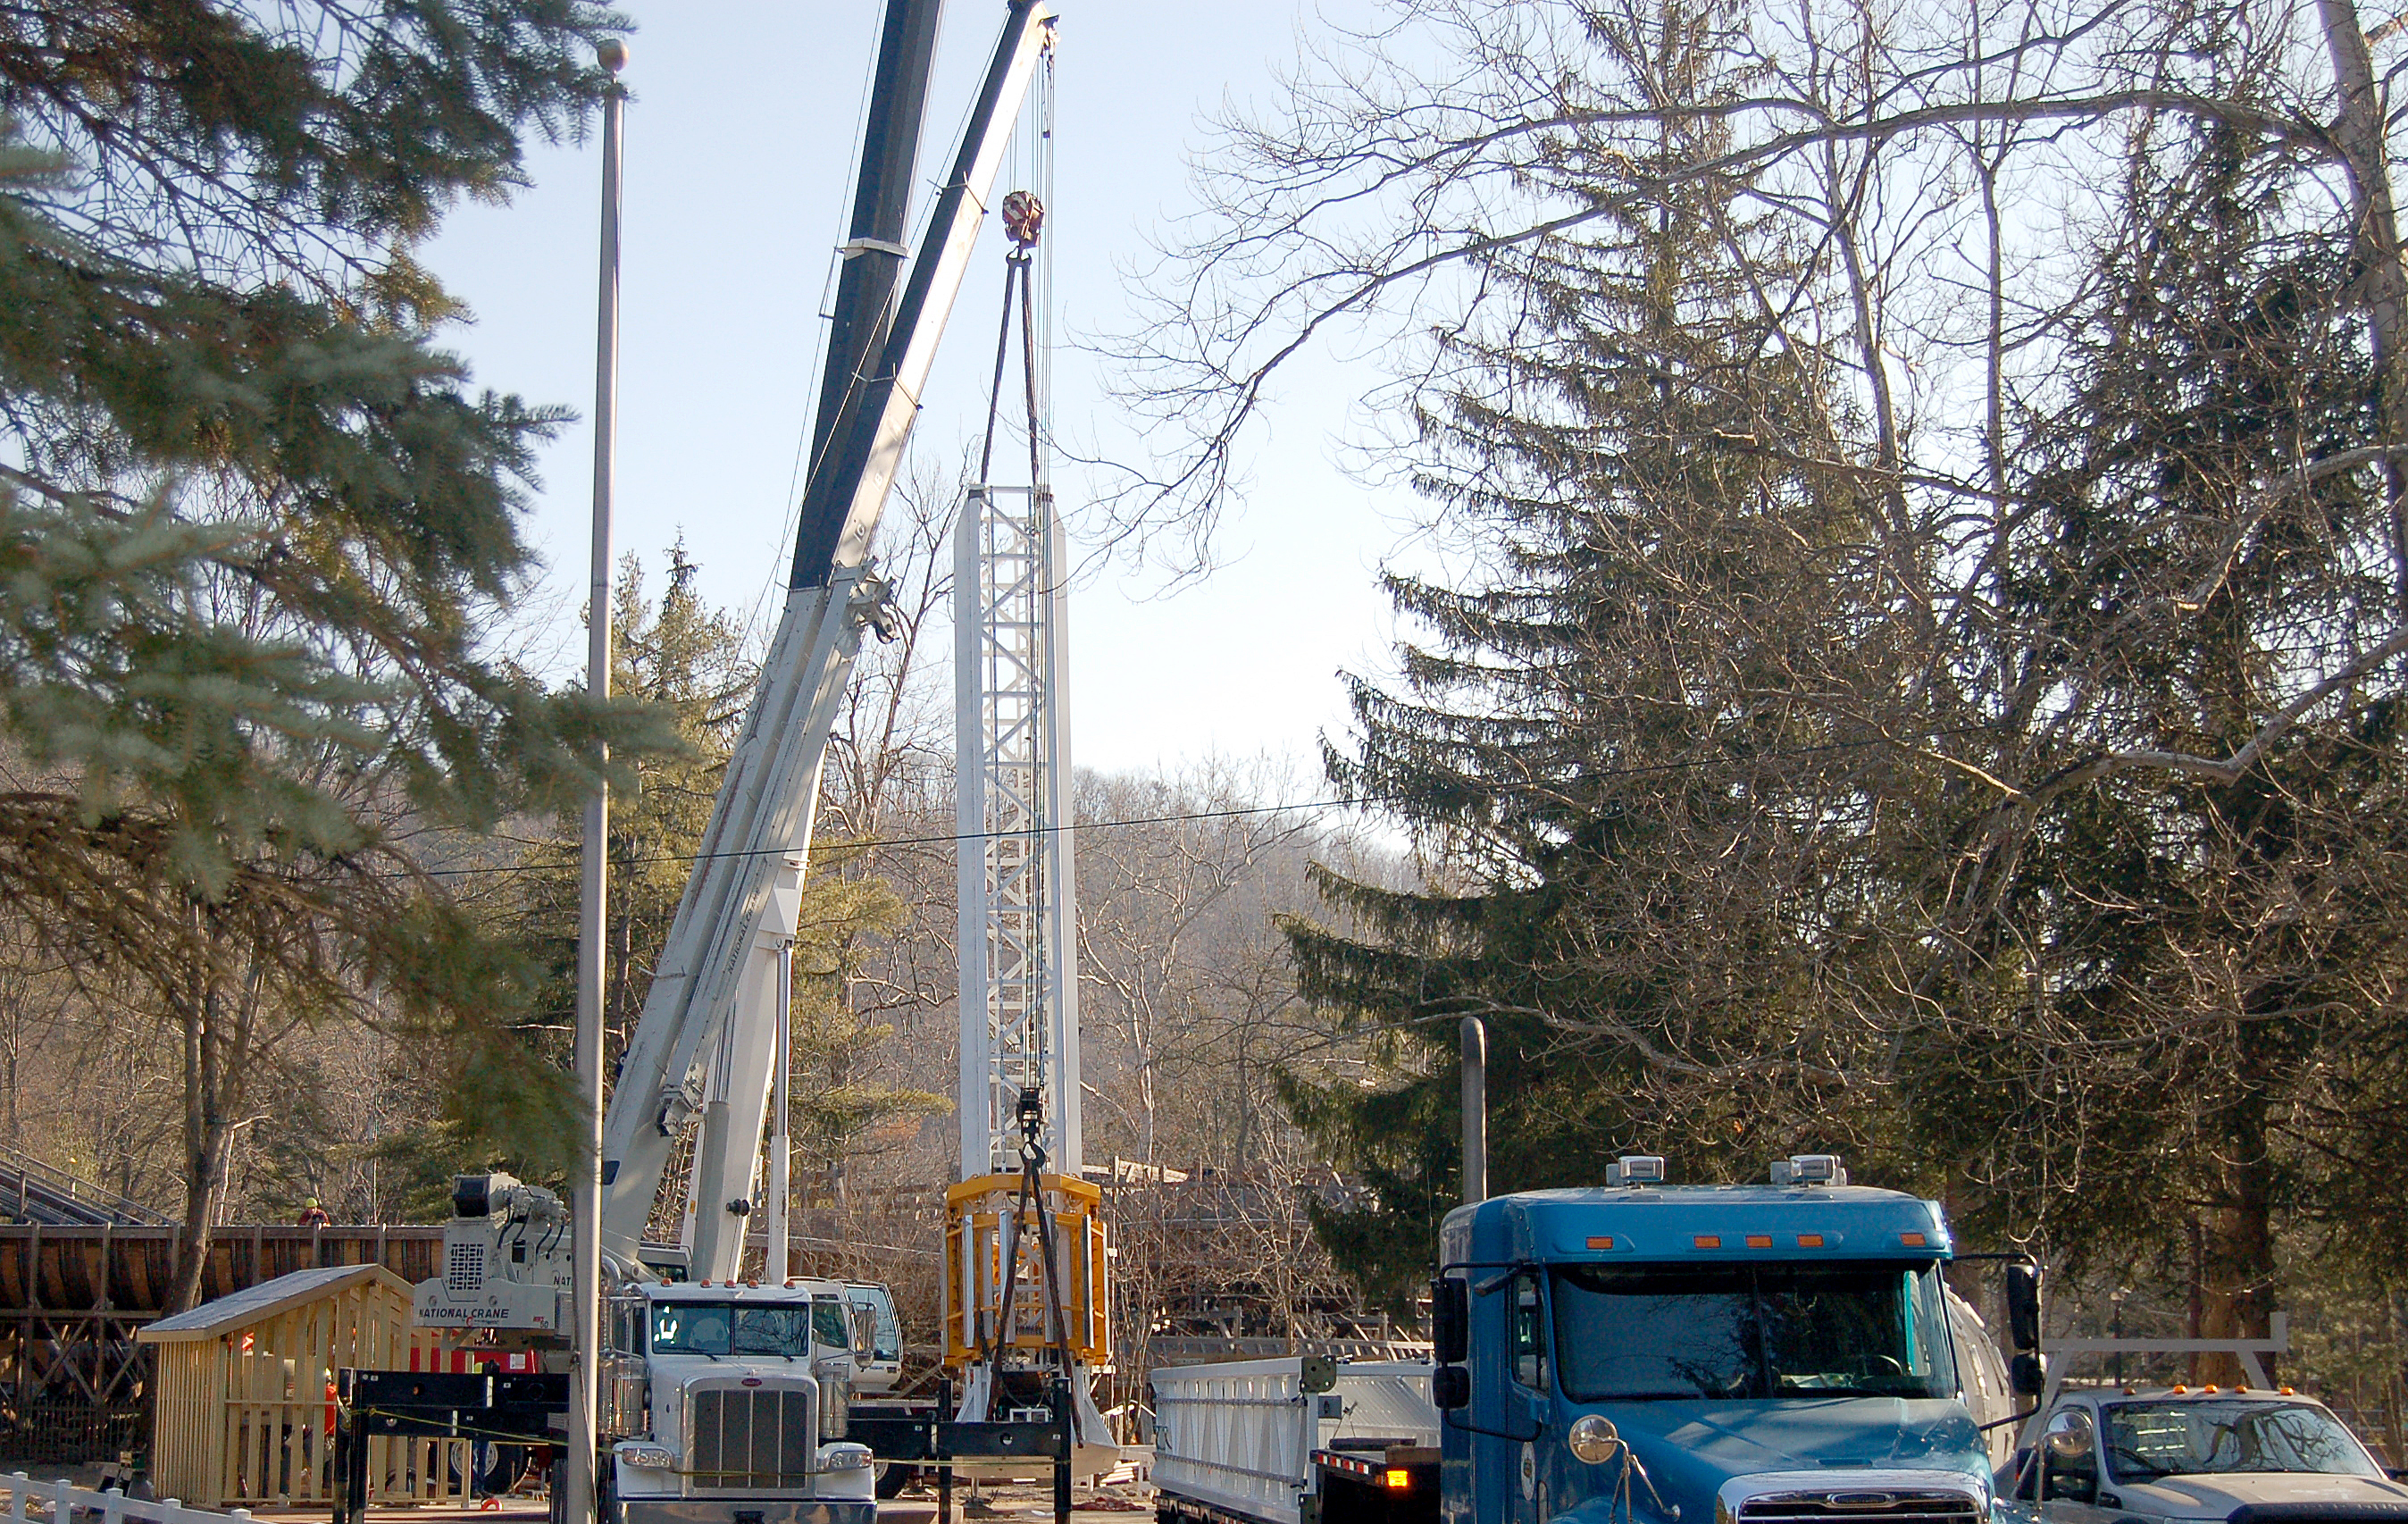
978	1213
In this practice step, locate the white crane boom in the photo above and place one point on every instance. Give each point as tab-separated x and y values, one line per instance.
705	1041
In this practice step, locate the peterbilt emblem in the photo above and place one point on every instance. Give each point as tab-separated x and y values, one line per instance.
1858	1499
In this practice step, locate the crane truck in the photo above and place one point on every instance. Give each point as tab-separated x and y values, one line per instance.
721	1403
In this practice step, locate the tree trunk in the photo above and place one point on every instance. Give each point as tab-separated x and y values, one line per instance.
207	1134
2236	1265
2358	130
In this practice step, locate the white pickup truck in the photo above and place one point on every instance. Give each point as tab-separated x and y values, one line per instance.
2179	1455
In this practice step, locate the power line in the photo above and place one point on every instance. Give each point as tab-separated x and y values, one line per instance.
1293	807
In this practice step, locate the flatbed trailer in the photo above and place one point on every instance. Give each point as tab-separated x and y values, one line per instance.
1303	1440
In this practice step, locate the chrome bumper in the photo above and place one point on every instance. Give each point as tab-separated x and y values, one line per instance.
749	1510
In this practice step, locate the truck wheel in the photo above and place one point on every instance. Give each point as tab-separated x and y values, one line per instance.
608	1508
893	1477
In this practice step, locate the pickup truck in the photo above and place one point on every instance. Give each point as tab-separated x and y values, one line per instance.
2184	1455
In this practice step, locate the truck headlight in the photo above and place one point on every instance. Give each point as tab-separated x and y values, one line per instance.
648	1457
843	1457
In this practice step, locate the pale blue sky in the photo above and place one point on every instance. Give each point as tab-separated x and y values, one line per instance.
740	143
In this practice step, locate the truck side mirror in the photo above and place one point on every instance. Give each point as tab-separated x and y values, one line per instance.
1449	1389
2023	1304
1451	1320
2027	1373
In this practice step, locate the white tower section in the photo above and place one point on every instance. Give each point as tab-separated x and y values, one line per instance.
1018	877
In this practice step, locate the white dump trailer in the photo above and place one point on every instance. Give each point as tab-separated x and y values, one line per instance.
1302	1440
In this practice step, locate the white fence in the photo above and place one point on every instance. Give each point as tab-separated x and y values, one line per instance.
62	1502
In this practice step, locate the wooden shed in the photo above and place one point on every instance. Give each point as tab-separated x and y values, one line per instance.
244	1408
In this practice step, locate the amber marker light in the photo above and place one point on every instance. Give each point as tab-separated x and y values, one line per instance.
1706	1240
1912	1241
1810	1241
1605	1242
1399	1479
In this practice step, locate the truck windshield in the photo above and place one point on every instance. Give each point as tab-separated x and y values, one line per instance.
720	1328
2147	1440
1751	1330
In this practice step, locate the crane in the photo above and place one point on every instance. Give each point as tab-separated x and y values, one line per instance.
693	1420
703	1048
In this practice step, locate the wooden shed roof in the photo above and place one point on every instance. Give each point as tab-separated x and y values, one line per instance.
256	1304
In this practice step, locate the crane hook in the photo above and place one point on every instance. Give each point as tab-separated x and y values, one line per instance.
1024	218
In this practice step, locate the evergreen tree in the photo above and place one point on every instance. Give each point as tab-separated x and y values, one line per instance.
256	523
2220	955
688	662
1622	745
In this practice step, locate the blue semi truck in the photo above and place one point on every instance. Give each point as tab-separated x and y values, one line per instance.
1644	1353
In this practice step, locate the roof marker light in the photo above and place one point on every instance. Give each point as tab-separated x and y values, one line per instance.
2290	1392
1809	1170
1810	1241
2179	1389
1707	1240
1636	1169
1912	1241
1601	1240
1759	1241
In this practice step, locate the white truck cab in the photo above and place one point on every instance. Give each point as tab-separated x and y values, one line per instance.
727	1404
880	1368
2184	1455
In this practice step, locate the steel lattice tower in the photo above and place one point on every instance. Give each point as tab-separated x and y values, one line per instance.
1017	878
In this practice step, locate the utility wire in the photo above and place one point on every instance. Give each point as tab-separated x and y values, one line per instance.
1295	807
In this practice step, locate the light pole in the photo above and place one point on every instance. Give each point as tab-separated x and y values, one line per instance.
586	1201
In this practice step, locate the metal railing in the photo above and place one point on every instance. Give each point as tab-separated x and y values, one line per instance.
34	1191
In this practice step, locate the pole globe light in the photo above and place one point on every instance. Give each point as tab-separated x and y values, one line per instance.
611	53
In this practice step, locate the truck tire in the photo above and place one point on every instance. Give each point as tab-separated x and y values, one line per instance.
607	1509
893	1477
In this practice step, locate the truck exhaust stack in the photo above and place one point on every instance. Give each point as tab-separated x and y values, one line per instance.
1475	1111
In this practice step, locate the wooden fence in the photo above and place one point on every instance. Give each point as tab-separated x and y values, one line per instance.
75	1386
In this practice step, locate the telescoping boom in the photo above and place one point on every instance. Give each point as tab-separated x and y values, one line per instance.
704	1043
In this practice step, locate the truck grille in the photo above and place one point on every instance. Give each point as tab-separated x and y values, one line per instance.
1872	1505
749	1438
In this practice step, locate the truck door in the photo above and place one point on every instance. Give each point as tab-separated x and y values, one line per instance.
1528	1404
2067	1466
